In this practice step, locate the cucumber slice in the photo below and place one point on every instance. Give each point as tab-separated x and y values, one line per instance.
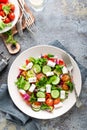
27	86
56	80
36	109
42	89
46	69
55	93
37	68
40	94
30	74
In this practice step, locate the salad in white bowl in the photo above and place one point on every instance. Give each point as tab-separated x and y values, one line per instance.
44	82
39	82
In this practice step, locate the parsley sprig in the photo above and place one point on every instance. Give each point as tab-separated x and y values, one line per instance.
10	38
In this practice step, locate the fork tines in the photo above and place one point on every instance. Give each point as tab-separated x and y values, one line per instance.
28	19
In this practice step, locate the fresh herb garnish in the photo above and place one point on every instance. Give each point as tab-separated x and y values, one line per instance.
50	55
42	82
3	25
58	69
32	98
70	84
6	9
41	61
21	82
10	38
44	106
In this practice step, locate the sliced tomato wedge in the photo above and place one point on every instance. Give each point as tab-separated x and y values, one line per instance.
27	61
56	101
37	103
49	102
39	76
61	62
52	59
45	56
48	95
3	1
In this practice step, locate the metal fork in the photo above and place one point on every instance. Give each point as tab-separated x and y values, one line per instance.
27	17
19	25
69	65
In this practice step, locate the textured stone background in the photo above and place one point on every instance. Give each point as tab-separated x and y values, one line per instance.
65	20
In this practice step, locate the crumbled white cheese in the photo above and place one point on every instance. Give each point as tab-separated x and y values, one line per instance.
49	74
64	70
32	87
62	94
29	66
51	63
32	79
22	91
48	88
41	99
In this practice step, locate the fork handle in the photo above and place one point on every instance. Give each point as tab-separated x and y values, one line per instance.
78	101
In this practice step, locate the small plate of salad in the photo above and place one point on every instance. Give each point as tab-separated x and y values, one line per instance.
9	14
40	84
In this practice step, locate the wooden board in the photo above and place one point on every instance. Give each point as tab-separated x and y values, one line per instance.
11	49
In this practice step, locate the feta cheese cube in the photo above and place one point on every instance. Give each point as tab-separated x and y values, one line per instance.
41	99
49	74
48	88
62	94
32	79
58	105
29	66
64	70
32	87
51	63
22	91
22	68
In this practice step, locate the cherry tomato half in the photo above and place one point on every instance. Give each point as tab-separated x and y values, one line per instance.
3	1
39	76
12	6
37	103
65	77
2	13
49	102
27	61
7	20
61	62
65	87
48	95
11	16
1	6
56	101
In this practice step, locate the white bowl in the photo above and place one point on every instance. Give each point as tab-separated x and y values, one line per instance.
16	12
17	99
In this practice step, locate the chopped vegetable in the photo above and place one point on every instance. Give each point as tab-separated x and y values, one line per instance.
6	9
70	84
7	14
10	38
42	84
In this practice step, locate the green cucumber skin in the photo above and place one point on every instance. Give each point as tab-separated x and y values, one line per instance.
55	94
40	94
55	82
46	69
36	109
37	68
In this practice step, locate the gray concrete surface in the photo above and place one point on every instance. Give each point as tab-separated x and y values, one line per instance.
66	21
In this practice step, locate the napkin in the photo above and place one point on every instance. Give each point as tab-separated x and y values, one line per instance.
13	113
